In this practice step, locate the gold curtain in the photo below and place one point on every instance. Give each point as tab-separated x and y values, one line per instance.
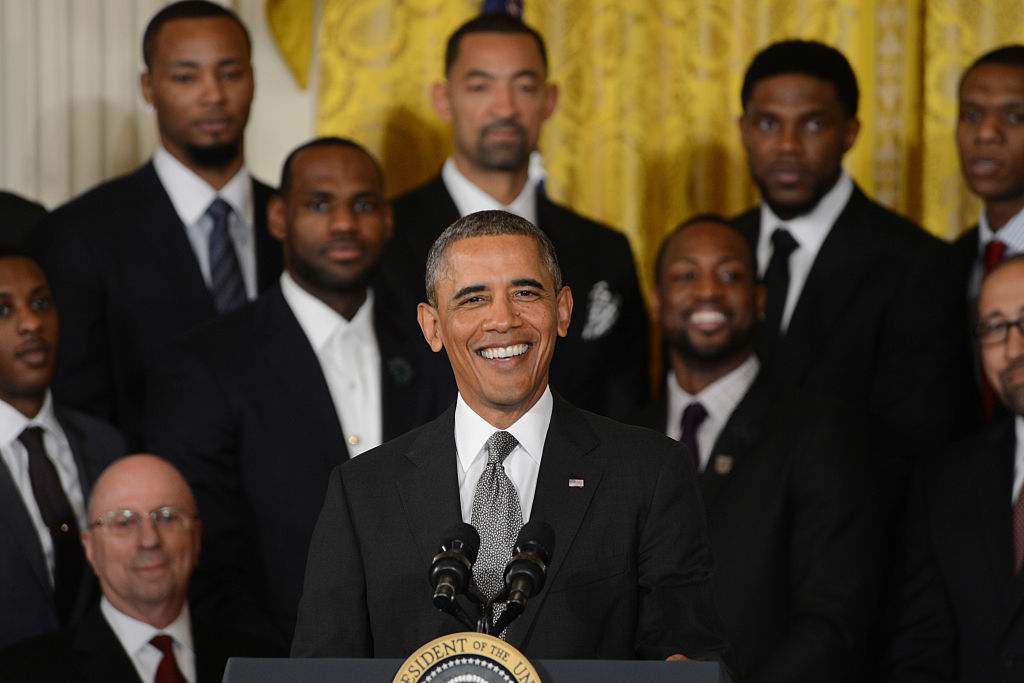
645	132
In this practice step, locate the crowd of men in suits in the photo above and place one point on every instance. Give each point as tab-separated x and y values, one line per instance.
826	486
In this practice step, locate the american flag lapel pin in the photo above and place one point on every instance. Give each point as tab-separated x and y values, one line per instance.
575	483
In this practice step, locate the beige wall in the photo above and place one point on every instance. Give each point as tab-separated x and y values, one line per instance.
71	114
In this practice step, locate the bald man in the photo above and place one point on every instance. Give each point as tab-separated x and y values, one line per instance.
142	542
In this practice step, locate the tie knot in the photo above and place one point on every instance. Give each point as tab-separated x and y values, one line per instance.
782	242
32	437
219	210
499	446
164	643
693	416
994	251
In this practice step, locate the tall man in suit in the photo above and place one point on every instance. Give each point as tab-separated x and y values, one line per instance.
143	258
861	304
784	478
258	407
630	574
142	541
50	457
961	614
496	98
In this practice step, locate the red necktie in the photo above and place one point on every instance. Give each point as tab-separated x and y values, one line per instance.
1018	532
168	671
994	251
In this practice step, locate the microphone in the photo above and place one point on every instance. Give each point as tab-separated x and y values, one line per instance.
525	572
451	569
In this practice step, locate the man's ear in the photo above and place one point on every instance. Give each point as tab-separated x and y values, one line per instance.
655	299
430	325
852	128
550	100
277	218
146	86
439	97
563	302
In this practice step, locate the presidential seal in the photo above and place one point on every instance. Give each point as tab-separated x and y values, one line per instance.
467	658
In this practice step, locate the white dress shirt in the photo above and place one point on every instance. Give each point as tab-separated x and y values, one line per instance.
1018	457
134	636
522	465
349	358
809	231
719	398
192	196
469	198
15	457
1011	234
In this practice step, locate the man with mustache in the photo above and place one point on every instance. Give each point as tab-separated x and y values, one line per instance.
496	97
960	616
49	457
141	259
258	407
860	304
787	490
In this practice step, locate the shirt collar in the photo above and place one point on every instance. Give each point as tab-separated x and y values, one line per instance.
469	198
809	229
318	320
135	634
1011	234
192	196
719	398
13	423
530	430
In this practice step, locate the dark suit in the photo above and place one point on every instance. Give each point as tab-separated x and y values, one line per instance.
961	615
630	575
599	367
243	409
18	218
794	526
879	325
91	653
26	596
127	282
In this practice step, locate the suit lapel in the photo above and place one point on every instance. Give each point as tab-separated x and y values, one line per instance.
567	446
268	249
397	372
16	518
98	654
740	434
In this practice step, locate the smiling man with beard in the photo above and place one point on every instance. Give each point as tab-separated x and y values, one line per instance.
258	407
143	258
784	478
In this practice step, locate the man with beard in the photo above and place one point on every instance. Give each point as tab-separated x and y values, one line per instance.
960	605
496	97
860	304
258	407
143	258
784	478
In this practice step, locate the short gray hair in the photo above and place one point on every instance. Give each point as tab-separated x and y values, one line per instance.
484	224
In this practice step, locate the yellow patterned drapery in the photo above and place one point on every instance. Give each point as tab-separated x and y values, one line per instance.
645	130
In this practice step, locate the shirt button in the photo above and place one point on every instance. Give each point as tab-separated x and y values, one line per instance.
354	440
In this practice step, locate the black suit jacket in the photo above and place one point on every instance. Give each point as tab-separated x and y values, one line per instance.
795	529
630	574
879	325
18	218
91	653
603	363
961	607
127	282
26	596
242	408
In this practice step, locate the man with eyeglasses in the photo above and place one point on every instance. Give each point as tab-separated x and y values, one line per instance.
960	616
142	541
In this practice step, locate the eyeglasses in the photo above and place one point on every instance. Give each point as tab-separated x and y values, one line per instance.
167	519
992	332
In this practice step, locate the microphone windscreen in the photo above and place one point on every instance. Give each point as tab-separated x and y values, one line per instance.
466	535
538	533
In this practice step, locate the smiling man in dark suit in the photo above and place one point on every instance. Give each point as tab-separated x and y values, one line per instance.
258	407
785	479
496	98
960	608
49	457
630	574
861	304
143	258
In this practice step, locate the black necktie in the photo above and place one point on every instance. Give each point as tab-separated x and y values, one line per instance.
693	416
55	509
776	283
226	281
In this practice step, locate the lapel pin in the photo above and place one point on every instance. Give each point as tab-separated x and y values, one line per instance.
575	483
723	464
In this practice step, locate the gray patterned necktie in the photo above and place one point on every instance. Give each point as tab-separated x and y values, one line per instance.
496	515
226	281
